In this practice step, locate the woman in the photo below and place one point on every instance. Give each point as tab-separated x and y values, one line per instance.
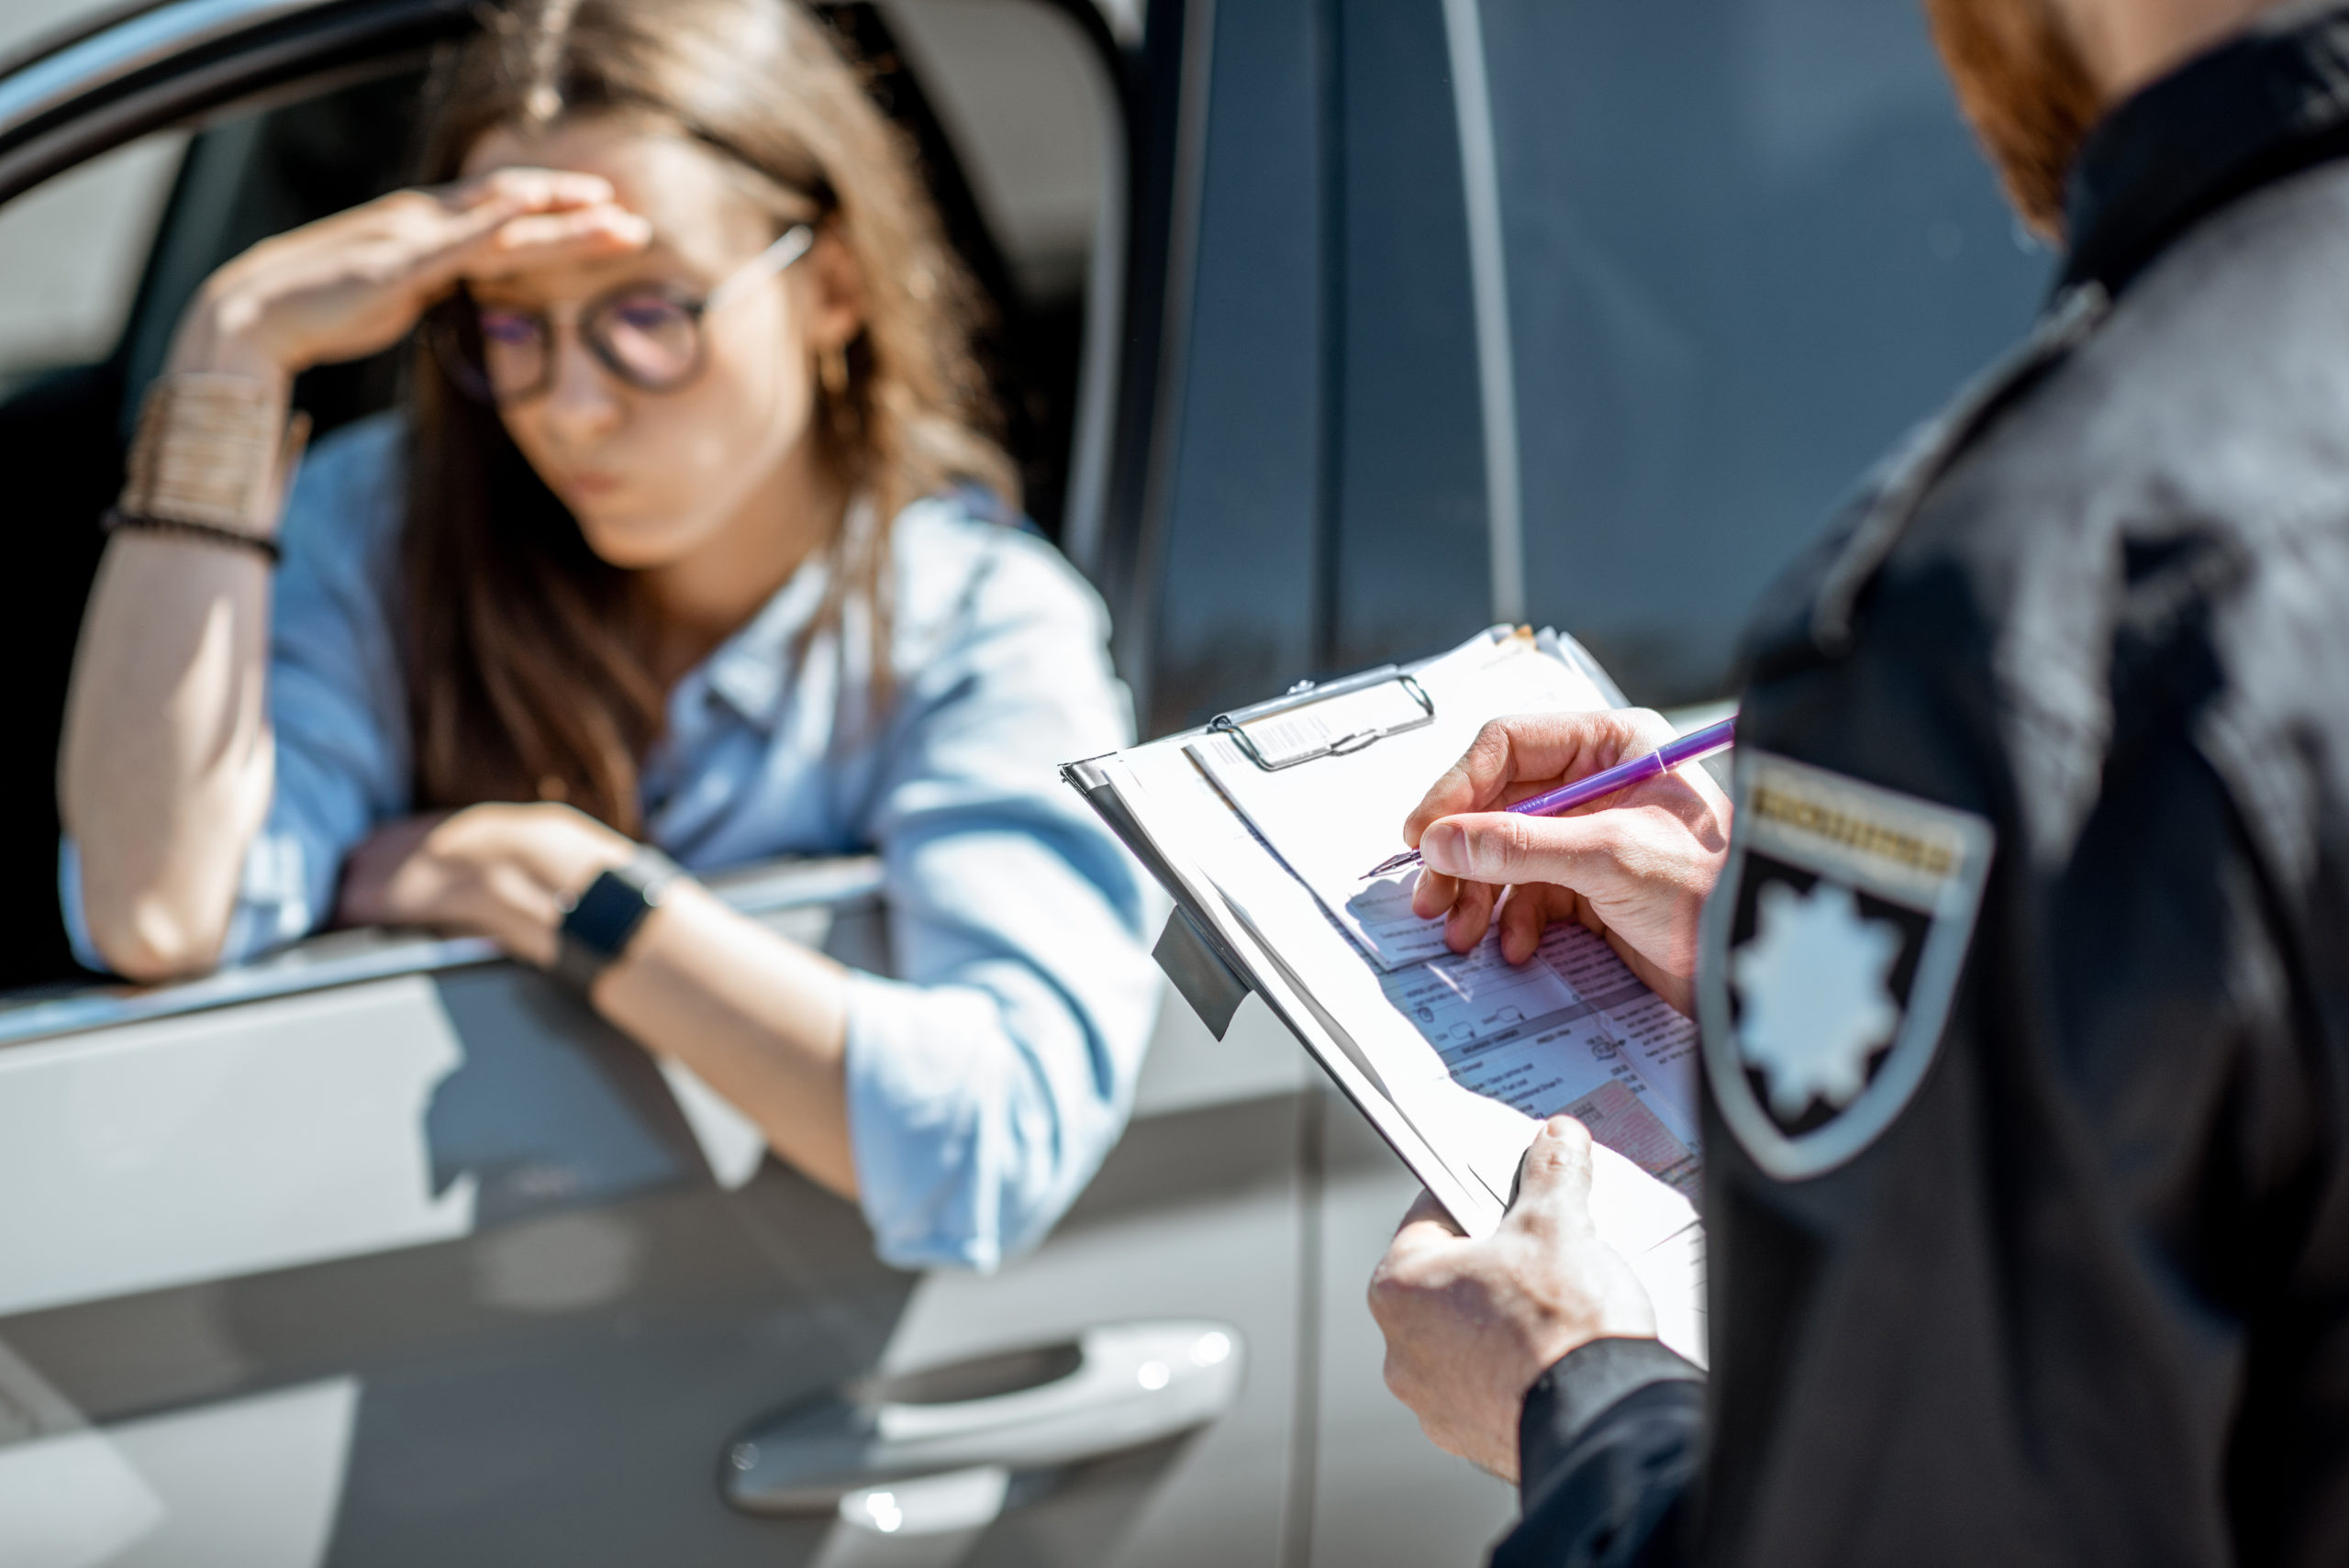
688	534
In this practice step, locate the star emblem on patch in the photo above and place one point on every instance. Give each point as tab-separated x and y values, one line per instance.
1816	1003
1832	951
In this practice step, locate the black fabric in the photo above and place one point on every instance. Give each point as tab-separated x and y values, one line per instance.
1568	1398
2086	1299
2197	140
1611	1491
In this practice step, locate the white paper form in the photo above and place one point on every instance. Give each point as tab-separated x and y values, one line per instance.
1331	819
1571	1030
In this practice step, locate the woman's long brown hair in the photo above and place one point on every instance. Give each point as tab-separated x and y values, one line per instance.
529	672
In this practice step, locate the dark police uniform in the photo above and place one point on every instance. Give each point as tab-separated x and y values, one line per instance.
2026	993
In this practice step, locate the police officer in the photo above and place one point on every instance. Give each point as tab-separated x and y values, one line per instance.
2024	970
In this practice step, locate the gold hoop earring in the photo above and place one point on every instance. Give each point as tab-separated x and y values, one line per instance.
832	369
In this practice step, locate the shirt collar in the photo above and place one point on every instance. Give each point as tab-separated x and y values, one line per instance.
752	671
2261	106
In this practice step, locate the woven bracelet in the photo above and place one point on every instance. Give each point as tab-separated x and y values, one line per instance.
238	539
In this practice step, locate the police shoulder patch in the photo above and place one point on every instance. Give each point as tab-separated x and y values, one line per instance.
1832	951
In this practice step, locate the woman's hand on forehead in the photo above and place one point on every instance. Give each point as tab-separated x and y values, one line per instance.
353	283
534	218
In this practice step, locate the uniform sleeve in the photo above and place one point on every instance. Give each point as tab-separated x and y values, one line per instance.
987	1082
336	699
1609	1447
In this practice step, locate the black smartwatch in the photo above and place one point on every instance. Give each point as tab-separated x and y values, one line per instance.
601	921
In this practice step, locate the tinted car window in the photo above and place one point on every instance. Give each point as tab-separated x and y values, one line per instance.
1328	504
1235	613
1748	242
1412	571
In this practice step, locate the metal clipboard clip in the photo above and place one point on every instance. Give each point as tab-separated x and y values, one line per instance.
1287	732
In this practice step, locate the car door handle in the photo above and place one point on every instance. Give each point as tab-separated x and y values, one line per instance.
1115	1387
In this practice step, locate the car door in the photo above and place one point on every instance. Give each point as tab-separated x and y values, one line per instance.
385	1251
1522	310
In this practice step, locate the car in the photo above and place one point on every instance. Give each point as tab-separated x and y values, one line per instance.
1329	331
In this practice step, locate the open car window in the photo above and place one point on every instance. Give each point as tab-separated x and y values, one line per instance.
1014	114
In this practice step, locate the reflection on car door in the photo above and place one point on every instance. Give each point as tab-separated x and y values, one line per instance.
435	1266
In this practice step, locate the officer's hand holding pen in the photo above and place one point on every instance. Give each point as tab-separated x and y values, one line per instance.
1635	869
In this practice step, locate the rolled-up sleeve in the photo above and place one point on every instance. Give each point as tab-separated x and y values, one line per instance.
336	699
987	1082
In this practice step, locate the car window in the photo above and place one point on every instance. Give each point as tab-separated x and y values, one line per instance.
1013	115
71	252
1748	242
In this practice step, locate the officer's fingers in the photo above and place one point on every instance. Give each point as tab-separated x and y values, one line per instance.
1553	1182
1471	916
1434	894
1421	1243
1518	756
1530	908
1540	750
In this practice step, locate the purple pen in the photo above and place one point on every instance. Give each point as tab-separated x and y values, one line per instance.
1682	749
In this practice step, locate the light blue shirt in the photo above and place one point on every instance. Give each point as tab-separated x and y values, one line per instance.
987	1080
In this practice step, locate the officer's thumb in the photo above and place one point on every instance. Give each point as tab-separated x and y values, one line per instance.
1552	1193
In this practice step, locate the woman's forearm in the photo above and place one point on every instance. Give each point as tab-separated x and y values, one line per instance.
762	1019
166	768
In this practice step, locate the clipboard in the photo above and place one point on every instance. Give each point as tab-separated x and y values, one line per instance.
1215	957
1175	800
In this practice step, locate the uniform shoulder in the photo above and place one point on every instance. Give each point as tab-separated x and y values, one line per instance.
2210	399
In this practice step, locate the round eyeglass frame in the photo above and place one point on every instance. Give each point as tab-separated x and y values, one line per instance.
454	328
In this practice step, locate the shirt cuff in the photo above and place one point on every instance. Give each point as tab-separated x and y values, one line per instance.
1588	1381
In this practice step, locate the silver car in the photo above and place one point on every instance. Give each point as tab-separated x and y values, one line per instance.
1329	331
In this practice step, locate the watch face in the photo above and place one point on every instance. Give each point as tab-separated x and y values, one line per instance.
609	912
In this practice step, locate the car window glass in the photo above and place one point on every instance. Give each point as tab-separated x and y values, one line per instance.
1235	610
1748	242
71	251
1412	571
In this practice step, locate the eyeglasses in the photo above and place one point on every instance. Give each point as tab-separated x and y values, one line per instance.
648	335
